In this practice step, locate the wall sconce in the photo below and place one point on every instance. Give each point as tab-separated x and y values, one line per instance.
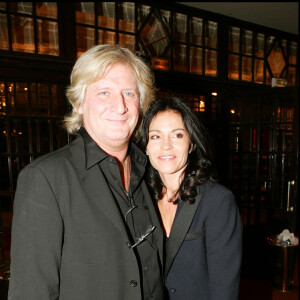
278	82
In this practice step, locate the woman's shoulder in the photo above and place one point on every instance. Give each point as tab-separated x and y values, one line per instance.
216	197
213	187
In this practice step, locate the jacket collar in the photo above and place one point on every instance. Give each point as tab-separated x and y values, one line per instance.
181	225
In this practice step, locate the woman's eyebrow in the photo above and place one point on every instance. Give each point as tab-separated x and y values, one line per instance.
158	130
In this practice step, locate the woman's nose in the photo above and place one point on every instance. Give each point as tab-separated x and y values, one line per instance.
166	144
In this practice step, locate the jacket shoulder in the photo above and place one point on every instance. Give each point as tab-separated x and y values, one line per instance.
214	187
67	155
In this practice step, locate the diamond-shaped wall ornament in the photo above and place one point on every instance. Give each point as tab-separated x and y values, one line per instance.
154	36
276	61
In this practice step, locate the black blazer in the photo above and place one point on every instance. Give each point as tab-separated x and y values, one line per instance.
69	241
203	253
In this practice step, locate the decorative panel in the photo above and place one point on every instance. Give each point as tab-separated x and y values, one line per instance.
180	27
196	60
4	43
85	13
22	34
106	14
196	31
276	59
211	62
126	16
47	37
180	58
154	36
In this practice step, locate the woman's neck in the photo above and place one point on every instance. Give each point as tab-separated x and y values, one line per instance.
171	186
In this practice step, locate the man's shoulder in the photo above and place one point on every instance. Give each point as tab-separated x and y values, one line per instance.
58	157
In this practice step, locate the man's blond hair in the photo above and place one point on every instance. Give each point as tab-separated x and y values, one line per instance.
92	66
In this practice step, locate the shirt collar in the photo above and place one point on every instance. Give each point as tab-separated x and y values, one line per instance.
94	154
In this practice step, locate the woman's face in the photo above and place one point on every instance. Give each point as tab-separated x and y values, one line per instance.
169	143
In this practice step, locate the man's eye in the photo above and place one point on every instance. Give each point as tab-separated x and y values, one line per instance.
103	93
128	94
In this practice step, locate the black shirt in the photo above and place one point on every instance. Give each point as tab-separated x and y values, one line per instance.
136	215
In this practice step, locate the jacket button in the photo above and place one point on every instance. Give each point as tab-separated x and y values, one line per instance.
172	290
133	283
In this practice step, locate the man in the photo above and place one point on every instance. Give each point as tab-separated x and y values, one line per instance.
84	225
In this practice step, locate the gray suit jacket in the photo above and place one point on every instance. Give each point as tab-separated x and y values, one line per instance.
69	241
203	254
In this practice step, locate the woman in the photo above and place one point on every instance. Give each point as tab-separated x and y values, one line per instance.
202	225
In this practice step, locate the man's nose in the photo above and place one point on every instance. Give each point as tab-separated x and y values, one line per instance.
118	104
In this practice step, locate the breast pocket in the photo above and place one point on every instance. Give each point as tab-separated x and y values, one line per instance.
195	236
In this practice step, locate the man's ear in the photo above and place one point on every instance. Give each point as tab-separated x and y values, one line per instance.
80	109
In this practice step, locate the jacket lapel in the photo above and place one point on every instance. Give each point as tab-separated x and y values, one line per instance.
96	186
98	190
179	230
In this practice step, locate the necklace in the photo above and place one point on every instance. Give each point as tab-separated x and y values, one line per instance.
127	174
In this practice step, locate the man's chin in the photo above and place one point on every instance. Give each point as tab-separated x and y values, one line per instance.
119	138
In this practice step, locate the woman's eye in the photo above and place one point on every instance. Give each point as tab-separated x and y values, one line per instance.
154	137
178	135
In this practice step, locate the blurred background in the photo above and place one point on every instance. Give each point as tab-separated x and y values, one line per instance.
234	63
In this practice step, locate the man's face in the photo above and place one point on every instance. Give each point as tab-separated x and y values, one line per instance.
111	108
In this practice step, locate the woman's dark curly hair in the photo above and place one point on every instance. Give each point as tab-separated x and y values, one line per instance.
200	166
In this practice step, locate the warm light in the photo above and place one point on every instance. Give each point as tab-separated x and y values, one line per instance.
202	105
25	89
278	82
232	111
214	94
160	63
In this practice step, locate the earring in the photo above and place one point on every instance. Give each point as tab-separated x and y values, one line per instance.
147	153
190	151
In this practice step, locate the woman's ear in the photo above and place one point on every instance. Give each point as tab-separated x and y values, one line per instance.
191	148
